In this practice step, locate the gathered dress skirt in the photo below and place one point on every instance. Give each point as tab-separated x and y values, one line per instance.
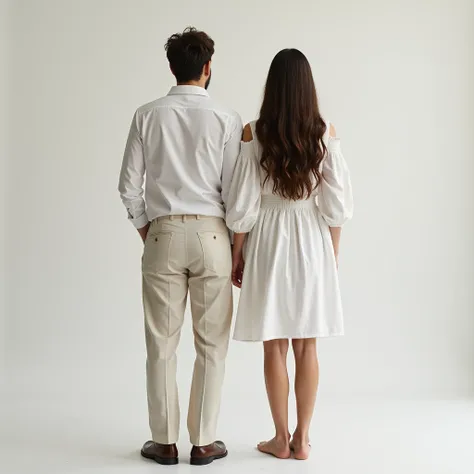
290	287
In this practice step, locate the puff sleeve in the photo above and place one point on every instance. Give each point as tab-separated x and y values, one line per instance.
245	191
335	195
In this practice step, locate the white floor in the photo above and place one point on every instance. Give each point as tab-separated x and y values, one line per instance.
102	434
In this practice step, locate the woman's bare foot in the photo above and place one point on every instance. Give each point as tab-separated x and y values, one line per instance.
280	448
301	449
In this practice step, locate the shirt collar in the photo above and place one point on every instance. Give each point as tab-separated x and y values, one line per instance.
188	90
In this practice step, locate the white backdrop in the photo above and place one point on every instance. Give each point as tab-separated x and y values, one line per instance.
3	181
396	78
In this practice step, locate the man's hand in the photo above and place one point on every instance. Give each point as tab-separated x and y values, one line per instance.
144	231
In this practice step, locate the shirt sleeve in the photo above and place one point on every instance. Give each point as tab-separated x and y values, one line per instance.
245	191
132	177
335	199
231	153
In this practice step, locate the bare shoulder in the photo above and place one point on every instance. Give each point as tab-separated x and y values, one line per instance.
247	135
332	130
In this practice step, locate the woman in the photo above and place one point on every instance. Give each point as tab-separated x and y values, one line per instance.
289	197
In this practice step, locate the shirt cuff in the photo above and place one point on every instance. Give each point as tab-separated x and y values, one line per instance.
139	222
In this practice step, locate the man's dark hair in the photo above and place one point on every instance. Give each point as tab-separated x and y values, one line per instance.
188	52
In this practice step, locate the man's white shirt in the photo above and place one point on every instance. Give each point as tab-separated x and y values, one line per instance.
180	156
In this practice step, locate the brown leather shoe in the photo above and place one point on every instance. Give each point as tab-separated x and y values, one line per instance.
166	454
202	455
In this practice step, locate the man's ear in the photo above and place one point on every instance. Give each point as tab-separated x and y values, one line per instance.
171	69
207	69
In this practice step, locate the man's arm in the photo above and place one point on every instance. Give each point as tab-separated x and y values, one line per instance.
231	153
131	179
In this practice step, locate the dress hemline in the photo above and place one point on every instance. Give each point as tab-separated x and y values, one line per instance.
272	338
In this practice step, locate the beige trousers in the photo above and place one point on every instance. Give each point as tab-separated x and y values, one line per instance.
186	253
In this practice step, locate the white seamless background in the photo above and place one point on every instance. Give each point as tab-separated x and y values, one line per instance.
396	79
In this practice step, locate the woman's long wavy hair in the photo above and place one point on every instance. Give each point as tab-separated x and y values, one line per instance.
290	128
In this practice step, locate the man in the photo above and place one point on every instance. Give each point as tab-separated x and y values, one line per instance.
187	145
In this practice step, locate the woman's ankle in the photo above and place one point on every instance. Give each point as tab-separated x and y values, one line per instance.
301	436
282	437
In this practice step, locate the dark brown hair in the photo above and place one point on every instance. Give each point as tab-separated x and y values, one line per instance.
290	128
188	52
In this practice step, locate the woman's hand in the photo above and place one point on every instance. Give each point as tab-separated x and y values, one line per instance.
237	269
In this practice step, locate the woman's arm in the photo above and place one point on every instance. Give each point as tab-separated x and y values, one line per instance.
335	231
238	259
336	238
239	240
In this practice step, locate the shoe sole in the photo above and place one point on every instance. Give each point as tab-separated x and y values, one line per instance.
206	461
160	460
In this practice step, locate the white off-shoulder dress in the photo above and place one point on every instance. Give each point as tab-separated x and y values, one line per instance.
290	287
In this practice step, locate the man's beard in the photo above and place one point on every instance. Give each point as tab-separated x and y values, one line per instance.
208	80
